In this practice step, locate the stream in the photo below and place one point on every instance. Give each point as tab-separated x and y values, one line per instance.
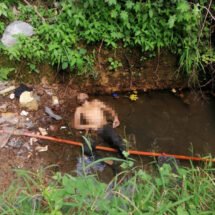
162	122
158	121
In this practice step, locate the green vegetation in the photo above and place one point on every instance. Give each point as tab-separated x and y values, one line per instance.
191	191
4	72
114	64
64	31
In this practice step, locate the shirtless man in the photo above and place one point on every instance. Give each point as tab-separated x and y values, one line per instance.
93	114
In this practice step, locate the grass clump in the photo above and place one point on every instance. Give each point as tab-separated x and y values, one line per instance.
191	191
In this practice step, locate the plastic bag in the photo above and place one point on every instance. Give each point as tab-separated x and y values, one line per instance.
15	28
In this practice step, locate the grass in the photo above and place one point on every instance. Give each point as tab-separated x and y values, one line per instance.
191	191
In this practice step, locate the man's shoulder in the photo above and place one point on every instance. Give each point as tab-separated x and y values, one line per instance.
97	101
78	109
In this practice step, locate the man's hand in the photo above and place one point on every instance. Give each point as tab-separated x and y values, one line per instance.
116	122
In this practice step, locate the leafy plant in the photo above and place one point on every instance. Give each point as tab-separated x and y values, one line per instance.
33	68
190	191
4	72
4	12
64	33
114	64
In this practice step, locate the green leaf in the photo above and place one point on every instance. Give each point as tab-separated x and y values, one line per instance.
171	21
151	13
183	6
65	65
129	4
181	211
111	2
82	51
4	72
137	7
113	14
124	15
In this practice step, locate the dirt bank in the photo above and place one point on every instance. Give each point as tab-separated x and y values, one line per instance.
138	71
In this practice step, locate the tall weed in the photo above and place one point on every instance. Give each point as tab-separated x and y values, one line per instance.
191	191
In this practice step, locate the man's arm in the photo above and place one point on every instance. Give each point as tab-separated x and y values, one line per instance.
77	121
110	110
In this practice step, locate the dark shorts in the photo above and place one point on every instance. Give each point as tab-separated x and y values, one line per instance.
109	135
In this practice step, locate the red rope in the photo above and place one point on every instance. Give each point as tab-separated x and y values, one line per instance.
103	148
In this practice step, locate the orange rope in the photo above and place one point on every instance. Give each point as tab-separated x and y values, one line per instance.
103	148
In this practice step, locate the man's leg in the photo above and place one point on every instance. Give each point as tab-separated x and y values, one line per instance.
110	136
89	145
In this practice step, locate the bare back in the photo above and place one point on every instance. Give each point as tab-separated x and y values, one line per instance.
93	114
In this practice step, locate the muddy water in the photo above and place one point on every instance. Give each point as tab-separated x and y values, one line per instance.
163	122
157	121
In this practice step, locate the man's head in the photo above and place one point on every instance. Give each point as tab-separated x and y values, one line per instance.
81	98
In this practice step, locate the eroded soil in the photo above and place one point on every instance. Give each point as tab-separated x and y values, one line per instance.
169	122
21	152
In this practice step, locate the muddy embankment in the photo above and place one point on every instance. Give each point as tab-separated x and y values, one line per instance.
138	72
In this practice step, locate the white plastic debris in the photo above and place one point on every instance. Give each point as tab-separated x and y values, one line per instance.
12	96
42	148
16	28
51	114
84	161
43	131
24	113
174	90
33	140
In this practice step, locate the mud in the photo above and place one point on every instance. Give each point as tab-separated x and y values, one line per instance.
158	121
21	152
139	71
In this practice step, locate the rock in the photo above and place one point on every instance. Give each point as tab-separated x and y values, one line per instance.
84	161
4	138
44	81
29	100
24	113
53	128
55	100
9	117
29	124
43	131
3	108
15	28
15	142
